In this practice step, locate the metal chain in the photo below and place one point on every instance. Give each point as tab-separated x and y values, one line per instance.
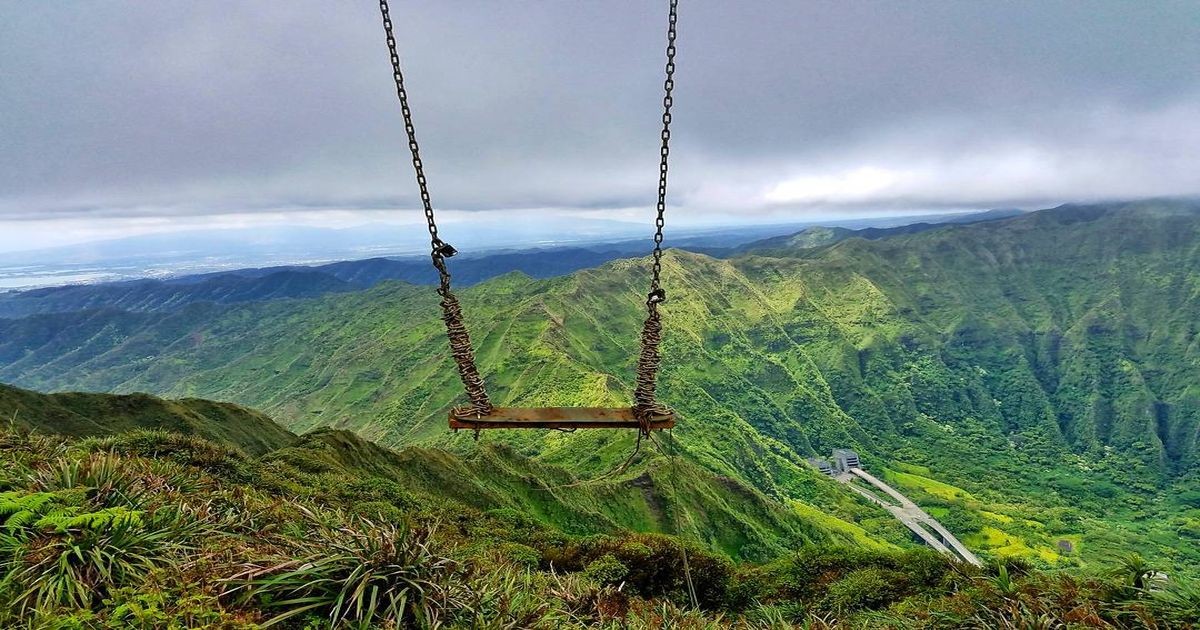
456	329
644	396
656	295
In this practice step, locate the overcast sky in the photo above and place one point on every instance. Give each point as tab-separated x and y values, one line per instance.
134	116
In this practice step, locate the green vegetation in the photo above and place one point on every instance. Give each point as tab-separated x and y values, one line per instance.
647	497
1031	380
149	529
86	415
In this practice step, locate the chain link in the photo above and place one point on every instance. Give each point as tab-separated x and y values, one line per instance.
456	329
645	394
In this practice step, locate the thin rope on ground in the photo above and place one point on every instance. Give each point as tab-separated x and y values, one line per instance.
674	457
637	448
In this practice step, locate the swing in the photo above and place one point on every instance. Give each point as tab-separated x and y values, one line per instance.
646	414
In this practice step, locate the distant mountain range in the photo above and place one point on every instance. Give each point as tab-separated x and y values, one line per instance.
272	283
820	235
298	281
176	254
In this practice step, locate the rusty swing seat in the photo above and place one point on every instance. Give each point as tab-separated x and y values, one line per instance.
646	414
566	418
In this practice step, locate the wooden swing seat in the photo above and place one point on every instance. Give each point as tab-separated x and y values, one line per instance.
566	418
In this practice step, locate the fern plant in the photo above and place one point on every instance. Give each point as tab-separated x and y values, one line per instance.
20	509
68	557
83	530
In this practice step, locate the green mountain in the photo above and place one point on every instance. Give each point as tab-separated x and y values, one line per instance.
736	519
276	283
95	415
819	235
815	236
152	529
730	517
1033	380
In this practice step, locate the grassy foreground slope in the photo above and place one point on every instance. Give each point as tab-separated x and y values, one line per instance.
151	529
654	493
1043	367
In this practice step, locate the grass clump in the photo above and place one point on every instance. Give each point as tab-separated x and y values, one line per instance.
353	572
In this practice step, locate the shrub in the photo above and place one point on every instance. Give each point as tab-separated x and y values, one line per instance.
507	598
376	490
1189	498
845	579
655	564
184	449
865	589
520	555
1189	528
379	511
358	574
154	608
961	521
606	570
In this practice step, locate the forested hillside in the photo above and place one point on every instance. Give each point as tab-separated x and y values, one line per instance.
300	281
1032	379
735	519
155	529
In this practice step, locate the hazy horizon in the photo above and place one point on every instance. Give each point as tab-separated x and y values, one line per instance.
182	253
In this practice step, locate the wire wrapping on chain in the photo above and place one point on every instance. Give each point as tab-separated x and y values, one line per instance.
673	457
644	396
464	356
637	448
456	329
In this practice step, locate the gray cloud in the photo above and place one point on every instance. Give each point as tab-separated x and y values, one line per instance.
174	108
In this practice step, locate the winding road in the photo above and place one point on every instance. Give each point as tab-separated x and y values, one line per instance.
924	526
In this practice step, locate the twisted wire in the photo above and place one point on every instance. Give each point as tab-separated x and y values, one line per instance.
645	402
464	356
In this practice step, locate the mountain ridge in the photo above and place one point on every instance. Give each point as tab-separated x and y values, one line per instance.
818	236
78	414
1010	359
306	281
728	516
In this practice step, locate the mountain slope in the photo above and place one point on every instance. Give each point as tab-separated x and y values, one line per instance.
1042	367
298	281
159	295
87	415
726	515
323	534
648	496
818	235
